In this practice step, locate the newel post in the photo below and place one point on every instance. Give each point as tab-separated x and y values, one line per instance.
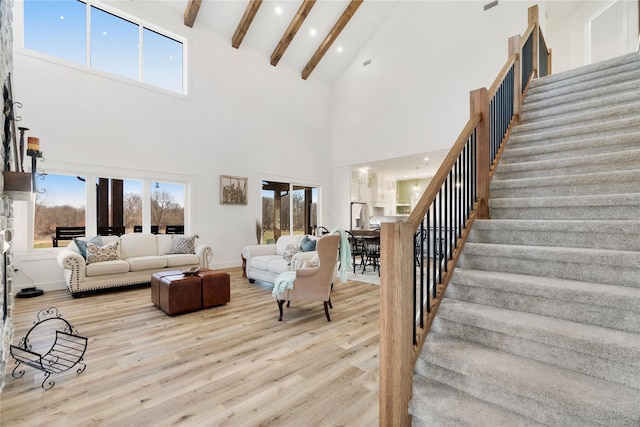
396	327
480	104
515	47
533	15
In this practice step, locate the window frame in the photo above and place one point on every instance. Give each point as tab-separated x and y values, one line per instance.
25	231
19	44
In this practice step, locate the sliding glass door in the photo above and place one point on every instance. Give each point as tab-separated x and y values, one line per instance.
288	209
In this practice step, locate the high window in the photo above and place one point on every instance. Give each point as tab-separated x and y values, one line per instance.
84	34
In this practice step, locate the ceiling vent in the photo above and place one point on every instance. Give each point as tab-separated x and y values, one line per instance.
490	5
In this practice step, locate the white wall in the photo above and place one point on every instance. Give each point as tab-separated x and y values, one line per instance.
414	96
243	117
567	31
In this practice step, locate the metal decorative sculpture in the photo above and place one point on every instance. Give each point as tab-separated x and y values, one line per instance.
67	350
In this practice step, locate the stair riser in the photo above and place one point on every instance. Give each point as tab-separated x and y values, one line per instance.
618	212
558	238
567	359
546	88
541	150
558	189
632	162
595	271
554	305
575	101
604	130
503	397
566	121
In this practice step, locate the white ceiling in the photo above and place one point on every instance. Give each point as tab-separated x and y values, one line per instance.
222	17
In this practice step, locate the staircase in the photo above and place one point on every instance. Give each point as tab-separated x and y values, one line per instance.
540	324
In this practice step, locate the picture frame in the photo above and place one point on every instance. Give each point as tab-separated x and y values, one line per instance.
233	190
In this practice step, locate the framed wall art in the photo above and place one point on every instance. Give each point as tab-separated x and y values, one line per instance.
233	190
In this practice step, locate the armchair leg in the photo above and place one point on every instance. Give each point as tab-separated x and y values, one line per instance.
330	305
280	304
326	310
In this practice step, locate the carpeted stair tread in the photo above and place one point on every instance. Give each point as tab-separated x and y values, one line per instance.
620	182
590	265
603	234
624	92
606	128
575	100
574	80
589	207
525	151
614	306
529	387
437	404
623	297
590	163
619	346
604	113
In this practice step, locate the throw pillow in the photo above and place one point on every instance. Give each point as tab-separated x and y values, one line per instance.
184	245
307	244
82	244
289	251
108	252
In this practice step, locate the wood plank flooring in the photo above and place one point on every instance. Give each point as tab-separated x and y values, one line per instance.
233	365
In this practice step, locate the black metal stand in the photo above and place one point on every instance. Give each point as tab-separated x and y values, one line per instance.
67	349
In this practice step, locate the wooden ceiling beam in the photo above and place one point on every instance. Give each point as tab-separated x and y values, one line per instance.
331	37
191	11
292	30
245	22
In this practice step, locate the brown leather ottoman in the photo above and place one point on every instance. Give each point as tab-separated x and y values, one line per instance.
155	284
216	289
180	294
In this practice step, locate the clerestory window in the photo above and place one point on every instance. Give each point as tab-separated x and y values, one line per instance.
85	34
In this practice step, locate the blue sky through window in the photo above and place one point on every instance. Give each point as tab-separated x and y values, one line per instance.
59	28
114	44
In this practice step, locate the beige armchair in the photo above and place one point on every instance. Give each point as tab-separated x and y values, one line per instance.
314	283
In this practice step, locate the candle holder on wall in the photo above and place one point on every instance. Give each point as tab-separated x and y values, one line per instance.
35	155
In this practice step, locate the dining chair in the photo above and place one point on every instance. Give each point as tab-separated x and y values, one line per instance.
357	249
372	252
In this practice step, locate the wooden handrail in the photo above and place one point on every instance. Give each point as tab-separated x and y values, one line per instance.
401	338
429	195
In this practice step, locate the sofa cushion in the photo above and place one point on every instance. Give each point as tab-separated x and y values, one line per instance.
183	244
81	244
138	245
107	267
262	262
108	252
278	265
174	260
165	243
146	262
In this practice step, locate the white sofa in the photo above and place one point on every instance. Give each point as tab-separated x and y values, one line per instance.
266	262
138	256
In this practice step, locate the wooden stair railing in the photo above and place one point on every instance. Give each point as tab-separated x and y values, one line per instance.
418	256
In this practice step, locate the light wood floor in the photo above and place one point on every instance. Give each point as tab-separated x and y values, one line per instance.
232	365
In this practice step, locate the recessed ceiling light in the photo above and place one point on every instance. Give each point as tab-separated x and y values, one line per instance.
426	159
61	18
104	33
278	10
339	49
312	32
